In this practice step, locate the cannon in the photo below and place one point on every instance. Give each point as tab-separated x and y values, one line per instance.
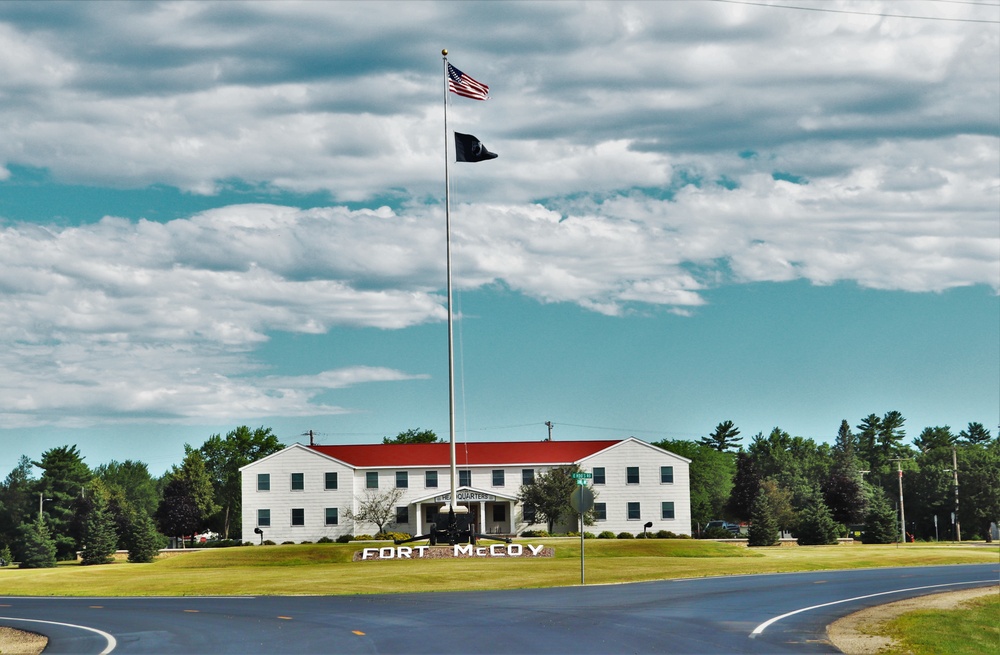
452	528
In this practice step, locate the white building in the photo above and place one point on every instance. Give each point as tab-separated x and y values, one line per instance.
303	493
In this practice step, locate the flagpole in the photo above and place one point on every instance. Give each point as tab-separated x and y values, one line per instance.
452	524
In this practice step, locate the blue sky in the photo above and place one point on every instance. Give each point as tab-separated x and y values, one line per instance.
218	214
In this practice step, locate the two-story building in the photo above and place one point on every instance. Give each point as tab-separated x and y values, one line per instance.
303	493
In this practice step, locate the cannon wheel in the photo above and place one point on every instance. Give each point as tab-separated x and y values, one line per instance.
433	534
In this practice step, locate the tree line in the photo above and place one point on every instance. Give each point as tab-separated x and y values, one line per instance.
71	508
819	491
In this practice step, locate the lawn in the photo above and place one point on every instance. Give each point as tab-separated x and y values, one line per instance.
327	569
972	630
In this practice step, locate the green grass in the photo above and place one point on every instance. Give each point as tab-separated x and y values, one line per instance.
327	569
972	630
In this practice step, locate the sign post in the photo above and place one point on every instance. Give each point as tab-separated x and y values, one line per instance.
582	500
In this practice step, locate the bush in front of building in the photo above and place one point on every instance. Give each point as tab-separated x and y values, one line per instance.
344	538
607	534
535	533
392	536
324	540
361	537
665	534
625	535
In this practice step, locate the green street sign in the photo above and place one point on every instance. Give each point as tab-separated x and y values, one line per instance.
581	476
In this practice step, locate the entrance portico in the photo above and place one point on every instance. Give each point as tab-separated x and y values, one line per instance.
491	512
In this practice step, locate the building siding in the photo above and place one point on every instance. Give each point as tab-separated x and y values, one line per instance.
313	499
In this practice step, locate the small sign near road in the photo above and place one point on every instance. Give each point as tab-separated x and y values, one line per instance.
579	477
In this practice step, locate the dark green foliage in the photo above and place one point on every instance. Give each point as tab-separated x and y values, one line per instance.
38	550
716	533
606	534
625	535
975	434
763	524
131	482
18	504
178	513
934	438
412	436
142	540
99	539
64	476
344	538
324	540
881	526
746	484
816	526
843	489
724	437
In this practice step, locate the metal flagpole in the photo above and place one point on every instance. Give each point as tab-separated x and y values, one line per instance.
452	524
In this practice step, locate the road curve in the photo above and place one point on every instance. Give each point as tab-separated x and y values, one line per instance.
701	616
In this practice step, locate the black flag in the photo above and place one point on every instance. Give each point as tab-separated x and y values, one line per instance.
469	148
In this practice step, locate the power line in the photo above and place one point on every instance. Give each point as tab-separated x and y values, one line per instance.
862	13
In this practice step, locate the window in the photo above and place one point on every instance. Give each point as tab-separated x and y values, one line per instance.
332	516
430	513
465	478
402	479
331	480
529	513
431	479
598	475
527	476
298	481
264	517
499	513
666	475
497	477
371	480
633	512
632	475
402	514
600	511
263	482
298	516
667	510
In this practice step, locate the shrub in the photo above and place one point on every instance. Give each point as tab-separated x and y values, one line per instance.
268	542
589	535
716	533
665	534
344	538
286	543
324	540
643	535
361	537
607	534
305	542
625	535
535	533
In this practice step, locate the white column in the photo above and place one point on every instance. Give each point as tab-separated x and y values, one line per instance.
512	526
420	517
482	516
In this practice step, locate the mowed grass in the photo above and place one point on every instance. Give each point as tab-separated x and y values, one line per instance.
328	569
972	630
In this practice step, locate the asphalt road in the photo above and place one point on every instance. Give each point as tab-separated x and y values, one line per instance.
704	616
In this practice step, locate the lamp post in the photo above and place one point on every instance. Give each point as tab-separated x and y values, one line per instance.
41	498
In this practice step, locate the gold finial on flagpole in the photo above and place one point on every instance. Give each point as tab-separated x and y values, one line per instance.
444	51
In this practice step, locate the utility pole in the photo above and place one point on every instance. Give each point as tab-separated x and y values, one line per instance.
954	468
548	424
902	515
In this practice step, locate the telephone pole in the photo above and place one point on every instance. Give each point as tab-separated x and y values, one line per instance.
902	515
954	468
548	424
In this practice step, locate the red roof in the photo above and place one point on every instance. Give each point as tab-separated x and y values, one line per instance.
466	454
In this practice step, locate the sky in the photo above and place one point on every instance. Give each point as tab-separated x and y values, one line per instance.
222	214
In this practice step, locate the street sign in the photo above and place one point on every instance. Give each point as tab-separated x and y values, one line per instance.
582	499
581	475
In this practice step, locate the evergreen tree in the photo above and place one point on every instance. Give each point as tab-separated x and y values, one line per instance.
746	484
130	481
18	504
816	526
891	435
880	521
933	438
843	489
723	438
846	441
99	540
867	441
63	479
38	550
763	524
141	539
975	434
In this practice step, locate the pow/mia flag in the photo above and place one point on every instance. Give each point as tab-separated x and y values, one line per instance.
469	148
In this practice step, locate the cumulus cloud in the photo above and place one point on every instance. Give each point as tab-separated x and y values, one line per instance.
648	152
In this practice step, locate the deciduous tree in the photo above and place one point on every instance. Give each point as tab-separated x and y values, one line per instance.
412	436
549	494
376	507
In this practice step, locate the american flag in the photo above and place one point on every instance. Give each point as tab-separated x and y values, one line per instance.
463	85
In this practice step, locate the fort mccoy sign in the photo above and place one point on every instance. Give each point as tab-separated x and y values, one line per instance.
505	551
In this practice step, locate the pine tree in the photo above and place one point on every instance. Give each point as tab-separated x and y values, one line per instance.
142	539
99	537
38	549
724	437
816	526
880	521
763	524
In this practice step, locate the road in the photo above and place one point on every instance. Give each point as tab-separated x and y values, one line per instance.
784	613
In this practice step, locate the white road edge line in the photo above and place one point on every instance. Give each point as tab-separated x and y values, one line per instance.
763	626
112	642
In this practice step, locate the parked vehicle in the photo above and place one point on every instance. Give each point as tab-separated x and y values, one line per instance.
725	525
